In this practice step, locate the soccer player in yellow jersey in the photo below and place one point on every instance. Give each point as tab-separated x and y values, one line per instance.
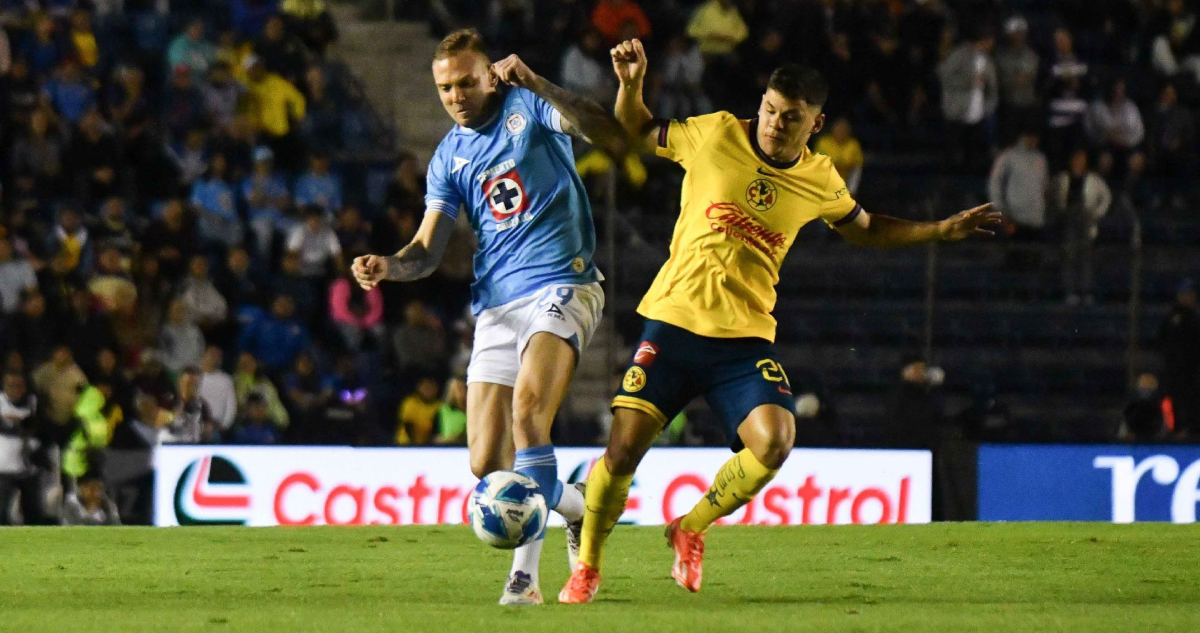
749	187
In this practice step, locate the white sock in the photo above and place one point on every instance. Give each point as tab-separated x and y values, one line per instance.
570	503
525	559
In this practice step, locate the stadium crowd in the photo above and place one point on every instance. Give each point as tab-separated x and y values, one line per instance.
180	194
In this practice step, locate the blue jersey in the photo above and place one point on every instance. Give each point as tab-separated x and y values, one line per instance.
515	176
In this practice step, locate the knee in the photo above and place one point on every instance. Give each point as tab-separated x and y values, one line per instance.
632	434
771	439
622	458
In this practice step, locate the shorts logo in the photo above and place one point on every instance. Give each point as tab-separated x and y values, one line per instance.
515	123
555	312
635	380
646	354
761	194
505	194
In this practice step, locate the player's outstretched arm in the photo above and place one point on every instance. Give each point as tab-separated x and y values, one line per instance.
419	259
629	63
581	116
882	231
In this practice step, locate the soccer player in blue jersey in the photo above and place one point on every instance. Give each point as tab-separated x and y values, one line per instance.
537	295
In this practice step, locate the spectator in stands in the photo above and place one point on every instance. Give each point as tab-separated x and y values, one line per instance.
845	152
249	378
312	22
171	238
181	343
59	380
302	290
1017	67
510	25
38	155
16	276
682	80
1172	141
1150	414
222	94
70	93
357	313
114	229
718	28
18	406
276	337
452	416
419	344
1065	116
106	369
85	329
914	411
5	53
206	306
281	52
213	198
192	422
619	20
306	392
127	99
1114	124
255	426
216	389
56	282
405	194
1179	345
91	159
1065	64
417	414
90	504
582	71
265	194
41	48
1018	184
112	285
891	92
183	104
1080	197
248	17
191	156
274	106
34	333
319	187
1176	47
239	282
343	416
353	231
190	50
969	101
316	244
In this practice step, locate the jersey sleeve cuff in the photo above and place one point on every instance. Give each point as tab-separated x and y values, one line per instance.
662	127
849	217
443	207
556	121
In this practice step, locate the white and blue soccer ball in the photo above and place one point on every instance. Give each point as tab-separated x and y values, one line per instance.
507	510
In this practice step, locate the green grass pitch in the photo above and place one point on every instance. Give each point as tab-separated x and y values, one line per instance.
932	578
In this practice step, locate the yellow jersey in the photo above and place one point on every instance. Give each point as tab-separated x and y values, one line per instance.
740	211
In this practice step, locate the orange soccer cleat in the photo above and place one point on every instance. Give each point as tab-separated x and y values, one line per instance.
582	585
689	556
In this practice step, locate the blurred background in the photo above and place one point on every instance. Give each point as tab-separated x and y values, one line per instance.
184	184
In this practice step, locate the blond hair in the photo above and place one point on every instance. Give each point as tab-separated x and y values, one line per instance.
459	41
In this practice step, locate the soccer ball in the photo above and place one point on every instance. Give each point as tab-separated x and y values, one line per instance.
507	510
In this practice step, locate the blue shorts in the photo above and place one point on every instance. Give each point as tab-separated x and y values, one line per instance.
672	366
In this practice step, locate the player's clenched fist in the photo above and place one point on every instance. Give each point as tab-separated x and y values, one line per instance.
629	61
512	71
369	270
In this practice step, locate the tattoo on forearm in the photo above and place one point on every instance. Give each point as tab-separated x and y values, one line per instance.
589	117
412	262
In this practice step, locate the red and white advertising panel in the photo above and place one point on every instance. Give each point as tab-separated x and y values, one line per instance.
198	485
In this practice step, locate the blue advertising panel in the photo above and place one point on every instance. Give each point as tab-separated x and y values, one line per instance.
1121	484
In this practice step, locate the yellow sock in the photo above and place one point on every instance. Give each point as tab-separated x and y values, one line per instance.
603	505
736	484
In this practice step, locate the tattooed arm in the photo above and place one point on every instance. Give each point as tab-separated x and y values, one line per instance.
419	259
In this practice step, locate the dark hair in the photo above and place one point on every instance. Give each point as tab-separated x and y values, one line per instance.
799	83
459	41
